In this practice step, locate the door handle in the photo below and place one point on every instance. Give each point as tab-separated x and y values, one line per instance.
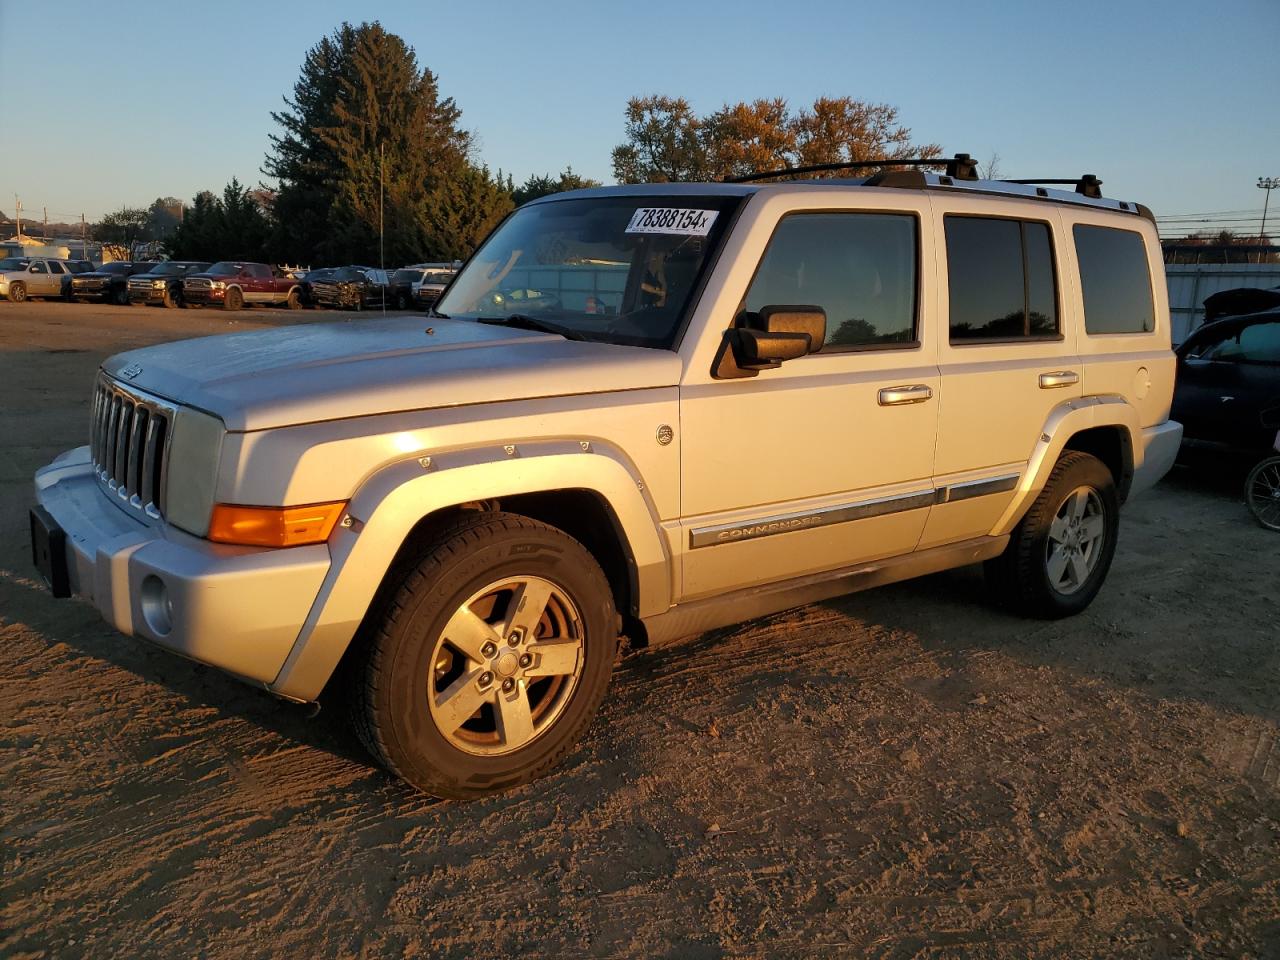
893	396
1059	378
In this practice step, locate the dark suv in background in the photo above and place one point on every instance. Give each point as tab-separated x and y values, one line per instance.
110	282
162	284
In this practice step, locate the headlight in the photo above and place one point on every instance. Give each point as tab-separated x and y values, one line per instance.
157	284
193	470
218	285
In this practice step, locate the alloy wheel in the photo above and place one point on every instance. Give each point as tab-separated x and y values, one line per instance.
505	666
1075	541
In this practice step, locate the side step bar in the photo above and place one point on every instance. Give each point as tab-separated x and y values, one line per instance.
687	619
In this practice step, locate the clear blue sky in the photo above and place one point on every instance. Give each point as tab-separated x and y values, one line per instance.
1175	104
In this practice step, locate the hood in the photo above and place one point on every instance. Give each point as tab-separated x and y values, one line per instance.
99	275
334	371
206	275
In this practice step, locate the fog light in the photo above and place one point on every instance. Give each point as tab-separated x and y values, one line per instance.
157	608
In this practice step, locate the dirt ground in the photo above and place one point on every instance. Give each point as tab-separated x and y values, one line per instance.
902	773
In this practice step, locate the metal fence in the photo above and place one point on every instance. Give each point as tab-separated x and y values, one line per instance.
1191	283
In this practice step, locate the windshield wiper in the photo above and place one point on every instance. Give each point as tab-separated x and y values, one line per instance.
522	321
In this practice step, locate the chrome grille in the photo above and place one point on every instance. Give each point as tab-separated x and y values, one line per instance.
197	283
129	442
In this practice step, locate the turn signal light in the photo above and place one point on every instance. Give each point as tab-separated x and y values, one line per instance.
274	526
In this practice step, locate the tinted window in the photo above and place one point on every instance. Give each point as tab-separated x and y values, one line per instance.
859	267
1002	279
38	267
1259	343
55	267
13	263
1116	280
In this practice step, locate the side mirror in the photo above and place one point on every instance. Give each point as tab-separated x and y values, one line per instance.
762	341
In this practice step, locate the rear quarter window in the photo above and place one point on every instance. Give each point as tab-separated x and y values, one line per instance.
1115	280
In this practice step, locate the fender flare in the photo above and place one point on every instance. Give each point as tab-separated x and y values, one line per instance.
1065	421
391	502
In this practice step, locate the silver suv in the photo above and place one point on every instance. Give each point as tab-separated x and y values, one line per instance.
24	277
639	410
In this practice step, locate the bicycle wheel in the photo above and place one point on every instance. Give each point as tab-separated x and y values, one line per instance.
1262	493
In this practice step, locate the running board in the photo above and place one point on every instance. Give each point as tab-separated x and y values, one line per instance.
687	619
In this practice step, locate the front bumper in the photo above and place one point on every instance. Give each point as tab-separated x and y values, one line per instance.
1160	449
204	294
148	295
236	608
101	292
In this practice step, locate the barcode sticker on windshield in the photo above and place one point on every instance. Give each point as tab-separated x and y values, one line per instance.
672	220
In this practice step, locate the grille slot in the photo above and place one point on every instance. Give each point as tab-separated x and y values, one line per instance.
129	443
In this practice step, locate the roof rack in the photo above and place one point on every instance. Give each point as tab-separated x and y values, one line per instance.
960	167
1087	186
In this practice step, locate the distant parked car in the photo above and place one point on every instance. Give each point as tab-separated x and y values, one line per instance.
74	267
237	283
415	286
308	279
23	277
110	282
162	285
1240	301
1227	393
351	288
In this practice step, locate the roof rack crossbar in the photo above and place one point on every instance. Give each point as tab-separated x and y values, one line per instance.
1087	185
960	167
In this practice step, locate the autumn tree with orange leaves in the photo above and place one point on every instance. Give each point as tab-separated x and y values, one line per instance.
666	141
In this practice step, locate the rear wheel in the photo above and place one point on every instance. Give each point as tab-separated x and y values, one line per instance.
294	300
1060	552
120	296
490	659
1262	493
233	300
402	301
18	292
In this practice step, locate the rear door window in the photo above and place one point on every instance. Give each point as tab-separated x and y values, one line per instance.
1003	285
1115	279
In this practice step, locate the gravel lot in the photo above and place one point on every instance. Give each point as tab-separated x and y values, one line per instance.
901	773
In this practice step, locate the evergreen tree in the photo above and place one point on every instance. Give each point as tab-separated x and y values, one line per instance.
367	123
544	185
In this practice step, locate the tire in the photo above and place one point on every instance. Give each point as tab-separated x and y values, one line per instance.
1262	492
293	301
471	574
402	301
166	299
120	297
1042	576
233	300
18	292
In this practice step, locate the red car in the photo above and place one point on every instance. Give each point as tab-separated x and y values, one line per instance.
235	284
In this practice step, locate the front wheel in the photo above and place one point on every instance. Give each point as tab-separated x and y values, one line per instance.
233	300
120	297
489	660
18	292
1262	493
402	301
1060	552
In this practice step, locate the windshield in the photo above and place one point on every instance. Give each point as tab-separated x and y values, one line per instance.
13	263
117	267
168	270
406	276
616	269
440	278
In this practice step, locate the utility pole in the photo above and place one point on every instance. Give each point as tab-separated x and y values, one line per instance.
84	247
46	222
1268	184
18	209
382	255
